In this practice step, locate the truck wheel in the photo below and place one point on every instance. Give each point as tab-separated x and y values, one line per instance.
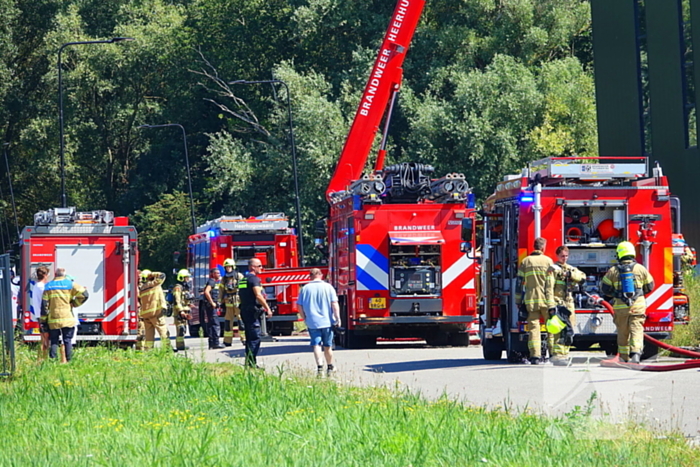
492	349
194	330
610	348
437	338
458	339
650	351
353	341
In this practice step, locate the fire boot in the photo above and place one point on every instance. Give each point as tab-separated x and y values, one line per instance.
635	357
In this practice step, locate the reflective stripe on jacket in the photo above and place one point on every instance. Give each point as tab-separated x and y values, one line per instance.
533	274
561	279
151	296
643	280
56	306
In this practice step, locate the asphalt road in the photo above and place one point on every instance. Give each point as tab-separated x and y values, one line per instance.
664	400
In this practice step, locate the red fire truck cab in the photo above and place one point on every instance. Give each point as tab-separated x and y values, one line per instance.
100	252
267	237
589	205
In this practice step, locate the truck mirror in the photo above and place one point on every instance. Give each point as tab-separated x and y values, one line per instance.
467	229
320	229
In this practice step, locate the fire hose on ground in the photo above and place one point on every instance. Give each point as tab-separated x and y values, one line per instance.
615	362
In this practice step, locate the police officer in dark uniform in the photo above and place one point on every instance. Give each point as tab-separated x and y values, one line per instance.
210	303
253	304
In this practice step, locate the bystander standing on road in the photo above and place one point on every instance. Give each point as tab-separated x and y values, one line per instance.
318	307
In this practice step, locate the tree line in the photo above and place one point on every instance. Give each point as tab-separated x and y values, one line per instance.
488	86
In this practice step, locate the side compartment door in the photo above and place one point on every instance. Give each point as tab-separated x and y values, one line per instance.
85	263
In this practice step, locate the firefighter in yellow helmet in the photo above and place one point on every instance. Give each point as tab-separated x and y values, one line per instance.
562	278
153	303
60	296
532	274
628	282
229	297
182	296
141	331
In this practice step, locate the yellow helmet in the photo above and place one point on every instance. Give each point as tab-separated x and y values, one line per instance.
229	262
625	249
183	274
145	273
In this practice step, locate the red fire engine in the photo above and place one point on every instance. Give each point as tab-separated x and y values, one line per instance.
394	245
588	205
267	237
99	251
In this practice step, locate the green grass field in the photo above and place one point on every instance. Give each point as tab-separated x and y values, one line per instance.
113	407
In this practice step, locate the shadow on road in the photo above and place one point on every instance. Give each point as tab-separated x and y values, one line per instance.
419	365
267	351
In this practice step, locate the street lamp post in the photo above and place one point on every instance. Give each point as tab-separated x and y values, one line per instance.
12	194
187	163
294	157
64	200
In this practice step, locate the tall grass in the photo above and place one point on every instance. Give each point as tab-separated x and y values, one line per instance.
155	409
689	335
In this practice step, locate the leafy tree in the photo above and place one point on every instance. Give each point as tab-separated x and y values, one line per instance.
163	229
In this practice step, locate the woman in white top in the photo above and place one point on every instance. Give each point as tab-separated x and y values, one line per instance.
42	277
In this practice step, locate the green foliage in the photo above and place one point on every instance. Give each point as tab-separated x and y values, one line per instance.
488	86
163	229
124	408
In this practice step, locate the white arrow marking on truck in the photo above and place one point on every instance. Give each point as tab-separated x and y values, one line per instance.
110	303
455	270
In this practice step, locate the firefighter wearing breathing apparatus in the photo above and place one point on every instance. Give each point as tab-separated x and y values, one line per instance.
230	299
153	303
182	296
532	274
628	282
562	279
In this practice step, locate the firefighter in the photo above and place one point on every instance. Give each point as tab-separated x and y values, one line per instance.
230	299
532	274
153	303
627	283
561	280
141	332
60	296
182	296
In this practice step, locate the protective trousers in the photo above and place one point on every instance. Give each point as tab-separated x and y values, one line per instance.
630	331
180	328
251	321
534	329
213	328
152	324
556	348
55	337
140	335
231	320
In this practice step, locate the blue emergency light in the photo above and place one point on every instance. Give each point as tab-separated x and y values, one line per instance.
527	198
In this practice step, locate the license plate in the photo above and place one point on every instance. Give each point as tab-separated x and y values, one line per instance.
377	303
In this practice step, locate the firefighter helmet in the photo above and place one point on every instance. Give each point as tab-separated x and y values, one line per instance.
145	273
183	274
229	262
625	249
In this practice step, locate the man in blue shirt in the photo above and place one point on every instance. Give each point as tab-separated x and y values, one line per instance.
318	307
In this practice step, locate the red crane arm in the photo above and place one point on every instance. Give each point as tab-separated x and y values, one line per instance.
383	82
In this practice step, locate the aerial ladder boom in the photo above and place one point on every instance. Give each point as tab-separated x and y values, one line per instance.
379	94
